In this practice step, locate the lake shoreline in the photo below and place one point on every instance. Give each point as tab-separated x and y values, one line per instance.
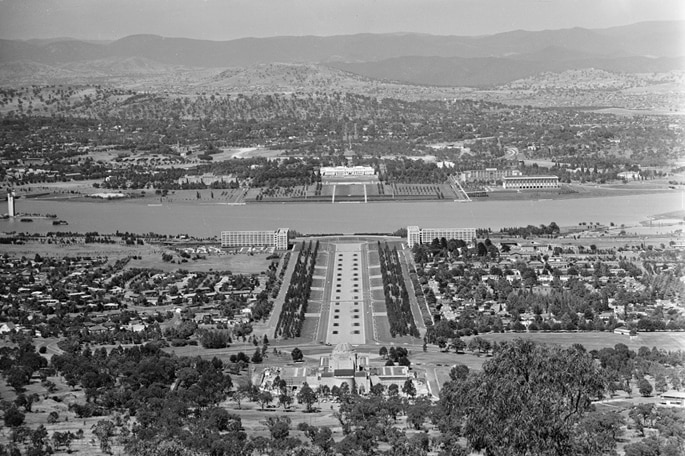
189	197
199	219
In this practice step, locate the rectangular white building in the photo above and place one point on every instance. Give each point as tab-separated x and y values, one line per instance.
488	174
530	182
416	235
277	239
347	171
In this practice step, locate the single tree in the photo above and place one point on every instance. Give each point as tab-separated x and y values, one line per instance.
297	355
62	439
459	372
264	398
660	383
383	352
257	357
13	417
306	396
279	427
285	399
645	387
408	388
458	345
53	417
393	389
238	397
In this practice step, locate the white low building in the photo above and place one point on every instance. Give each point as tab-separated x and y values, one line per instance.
338	171
673	398
530	182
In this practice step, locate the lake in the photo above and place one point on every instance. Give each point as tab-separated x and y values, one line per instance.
207	220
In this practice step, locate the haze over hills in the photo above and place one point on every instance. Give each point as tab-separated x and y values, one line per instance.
293	63
491	71
456	61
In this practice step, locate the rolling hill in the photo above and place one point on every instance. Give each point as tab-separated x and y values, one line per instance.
420	59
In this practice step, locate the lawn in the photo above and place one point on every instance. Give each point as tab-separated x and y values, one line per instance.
316	295
236	263
384	337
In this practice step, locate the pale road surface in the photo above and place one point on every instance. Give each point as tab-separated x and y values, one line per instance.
346	296
344	274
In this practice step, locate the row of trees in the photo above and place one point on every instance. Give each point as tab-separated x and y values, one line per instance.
295	305
531	230
396	296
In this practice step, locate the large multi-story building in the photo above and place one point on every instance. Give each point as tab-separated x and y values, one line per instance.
488	174
530	182
278	238
416	235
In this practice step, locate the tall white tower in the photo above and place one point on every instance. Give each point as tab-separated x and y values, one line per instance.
10	202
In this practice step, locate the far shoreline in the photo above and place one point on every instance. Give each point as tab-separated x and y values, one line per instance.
184	197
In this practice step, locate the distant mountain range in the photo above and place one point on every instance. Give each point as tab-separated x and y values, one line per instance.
404	57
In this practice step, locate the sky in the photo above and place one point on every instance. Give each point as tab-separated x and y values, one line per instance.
230	19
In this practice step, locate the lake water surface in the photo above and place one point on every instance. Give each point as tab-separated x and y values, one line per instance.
206	220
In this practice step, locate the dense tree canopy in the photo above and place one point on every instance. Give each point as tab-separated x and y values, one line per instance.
528	399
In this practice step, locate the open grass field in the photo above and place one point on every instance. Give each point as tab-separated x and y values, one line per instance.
316	295
147	256
236	263
349	190
313	307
